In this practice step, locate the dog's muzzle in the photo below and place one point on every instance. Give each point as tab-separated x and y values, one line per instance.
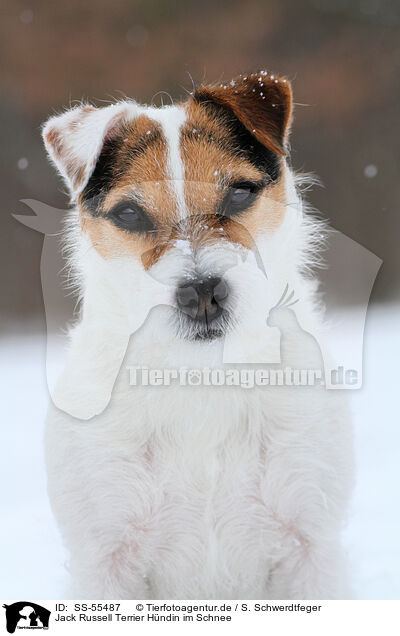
203	302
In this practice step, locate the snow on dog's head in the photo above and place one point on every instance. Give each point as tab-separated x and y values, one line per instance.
192	206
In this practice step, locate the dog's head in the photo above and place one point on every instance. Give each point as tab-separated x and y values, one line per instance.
187	195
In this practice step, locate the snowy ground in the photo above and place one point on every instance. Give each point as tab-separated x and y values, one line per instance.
32	558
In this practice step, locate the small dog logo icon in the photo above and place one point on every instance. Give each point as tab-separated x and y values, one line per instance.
26	615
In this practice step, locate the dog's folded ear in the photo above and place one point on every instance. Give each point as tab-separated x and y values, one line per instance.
74	140
262	102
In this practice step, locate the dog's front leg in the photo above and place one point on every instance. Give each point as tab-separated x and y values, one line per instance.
110	548
101	493
116	574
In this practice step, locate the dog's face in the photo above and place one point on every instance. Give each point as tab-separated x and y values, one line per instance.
182	196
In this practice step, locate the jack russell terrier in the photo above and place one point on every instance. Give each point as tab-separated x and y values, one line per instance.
187	229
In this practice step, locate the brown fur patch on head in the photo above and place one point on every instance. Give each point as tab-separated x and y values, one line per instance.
209	159
142	172
214	161
138	173
135	166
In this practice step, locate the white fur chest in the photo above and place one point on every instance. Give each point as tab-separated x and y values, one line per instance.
192	491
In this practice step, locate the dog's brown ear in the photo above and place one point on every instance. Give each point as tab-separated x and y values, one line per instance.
74	140
261	102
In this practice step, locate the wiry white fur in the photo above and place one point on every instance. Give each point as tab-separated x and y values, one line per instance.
197	492
171	119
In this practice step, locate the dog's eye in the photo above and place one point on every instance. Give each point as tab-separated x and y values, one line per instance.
130	216
241	194
239	197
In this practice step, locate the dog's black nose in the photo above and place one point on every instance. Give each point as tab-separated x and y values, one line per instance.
202	299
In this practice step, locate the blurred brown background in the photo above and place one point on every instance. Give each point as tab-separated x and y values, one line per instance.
343	57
